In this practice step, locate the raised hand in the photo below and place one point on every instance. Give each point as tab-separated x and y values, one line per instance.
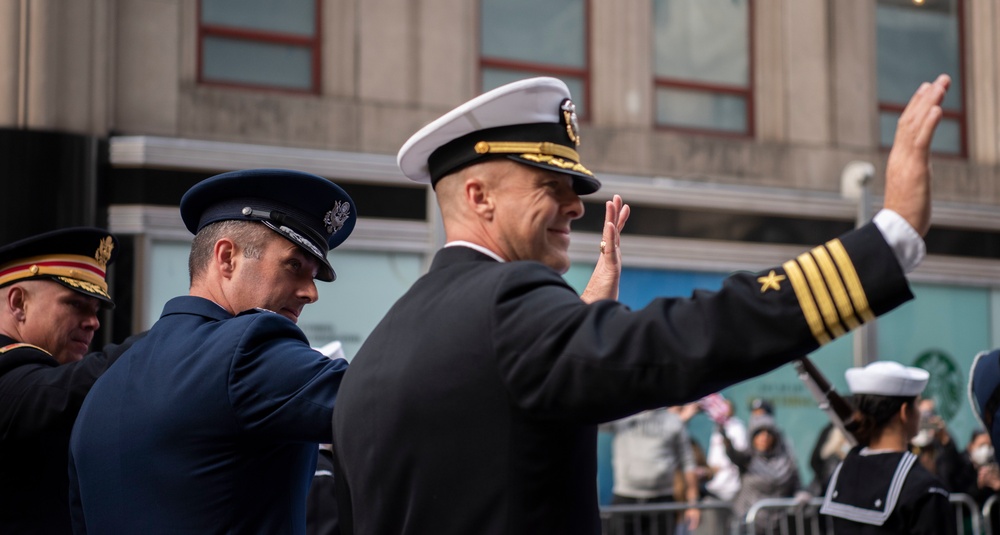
607	274
908	174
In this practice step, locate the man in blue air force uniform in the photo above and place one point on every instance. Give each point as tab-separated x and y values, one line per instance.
472	407
210	423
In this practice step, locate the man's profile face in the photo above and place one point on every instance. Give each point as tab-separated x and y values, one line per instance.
59	320
533	214
281	280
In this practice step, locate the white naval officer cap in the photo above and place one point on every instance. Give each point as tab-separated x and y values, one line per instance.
530	121
887	378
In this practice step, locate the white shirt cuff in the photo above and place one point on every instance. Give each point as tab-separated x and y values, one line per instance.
904	240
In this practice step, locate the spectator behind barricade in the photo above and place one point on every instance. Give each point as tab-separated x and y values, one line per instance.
647	449
702	471
768	469
831	447
725	476
761	407
934	445
978	474
725	481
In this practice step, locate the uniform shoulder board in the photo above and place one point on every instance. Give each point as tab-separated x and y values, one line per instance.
19	345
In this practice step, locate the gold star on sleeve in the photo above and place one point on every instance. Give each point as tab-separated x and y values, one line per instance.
770	282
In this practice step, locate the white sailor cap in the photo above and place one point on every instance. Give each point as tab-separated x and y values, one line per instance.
531	121
887	378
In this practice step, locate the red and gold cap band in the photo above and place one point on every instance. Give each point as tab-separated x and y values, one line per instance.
74	270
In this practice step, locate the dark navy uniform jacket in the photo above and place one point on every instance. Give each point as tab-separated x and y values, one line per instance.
887	494
39	400
472	407
207	425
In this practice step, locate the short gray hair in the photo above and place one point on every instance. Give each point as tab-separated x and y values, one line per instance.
250	236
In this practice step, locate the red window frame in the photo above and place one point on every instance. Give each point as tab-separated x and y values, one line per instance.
747	92
542	69
961	115
314	44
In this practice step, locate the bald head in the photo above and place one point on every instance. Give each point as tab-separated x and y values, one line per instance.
519	212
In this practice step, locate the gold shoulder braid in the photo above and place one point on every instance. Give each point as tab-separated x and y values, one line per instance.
19	345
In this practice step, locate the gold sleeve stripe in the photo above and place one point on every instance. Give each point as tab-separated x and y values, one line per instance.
822	295
851	279
806	302
836	287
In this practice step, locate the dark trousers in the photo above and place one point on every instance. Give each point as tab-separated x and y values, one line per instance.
644	523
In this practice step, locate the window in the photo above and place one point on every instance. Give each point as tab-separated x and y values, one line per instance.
701	65
916	41
525	38
272	44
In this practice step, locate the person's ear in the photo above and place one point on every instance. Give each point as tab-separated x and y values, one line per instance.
905	412
225	256
479	196
17	302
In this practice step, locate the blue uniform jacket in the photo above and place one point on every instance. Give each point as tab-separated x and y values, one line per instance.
207	425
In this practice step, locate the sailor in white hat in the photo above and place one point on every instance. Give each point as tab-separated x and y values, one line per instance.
880	487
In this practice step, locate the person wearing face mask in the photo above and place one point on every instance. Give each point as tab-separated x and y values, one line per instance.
880	488
934	445
978	474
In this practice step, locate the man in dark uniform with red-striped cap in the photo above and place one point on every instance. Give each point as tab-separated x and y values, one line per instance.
53	286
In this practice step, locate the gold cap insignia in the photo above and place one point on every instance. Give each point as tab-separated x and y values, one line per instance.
570	120
104	250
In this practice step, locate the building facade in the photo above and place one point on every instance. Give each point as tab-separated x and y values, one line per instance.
729	125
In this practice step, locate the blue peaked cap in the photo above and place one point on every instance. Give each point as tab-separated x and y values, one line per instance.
310	211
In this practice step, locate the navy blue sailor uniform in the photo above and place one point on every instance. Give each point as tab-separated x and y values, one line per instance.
887	493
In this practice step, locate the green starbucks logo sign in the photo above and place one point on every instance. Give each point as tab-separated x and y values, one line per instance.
946	386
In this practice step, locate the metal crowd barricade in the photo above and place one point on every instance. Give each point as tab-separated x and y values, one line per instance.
654	518
789	516
963	504
786	516
989	510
